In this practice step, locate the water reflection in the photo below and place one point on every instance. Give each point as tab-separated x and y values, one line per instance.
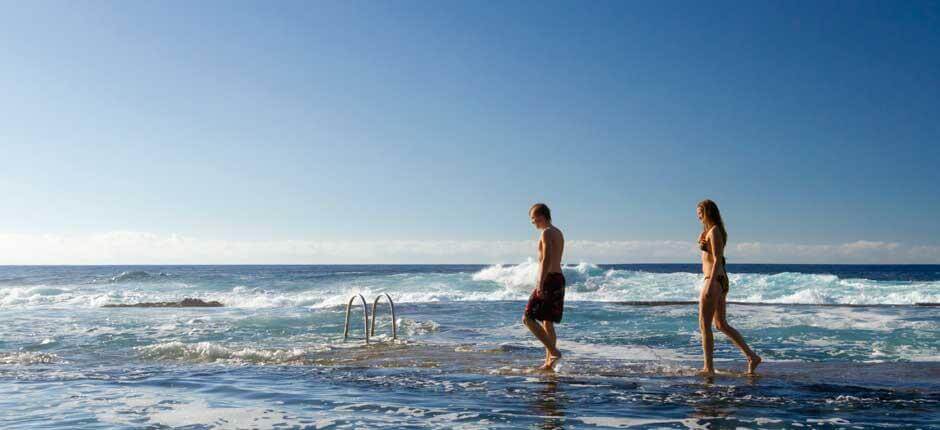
716	403
550	403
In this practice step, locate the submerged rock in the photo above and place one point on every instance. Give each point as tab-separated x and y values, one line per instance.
185	303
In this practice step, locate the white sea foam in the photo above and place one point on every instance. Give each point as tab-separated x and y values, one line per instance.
589	282
521	277
169	407
208	352
620	422
200	412
15	296
29	357
416	328
586	282
622	352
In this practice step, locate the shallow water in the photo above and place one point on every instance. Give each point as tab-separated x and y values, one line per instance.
275	356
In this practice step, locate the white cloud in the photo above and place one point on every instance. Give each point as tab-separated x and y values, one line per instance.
862	252
149	248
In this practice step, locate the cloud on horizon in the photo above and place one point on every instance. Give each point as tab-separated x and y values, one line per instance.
124	247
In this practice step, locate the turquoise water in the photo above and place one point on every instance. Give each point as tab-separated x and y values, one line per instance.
845	347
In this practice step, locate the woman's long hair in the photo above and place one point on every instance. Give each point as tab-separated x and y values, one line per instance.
713	215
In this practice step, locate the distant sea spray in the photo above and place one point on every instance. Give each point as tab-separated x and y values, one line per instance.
322	288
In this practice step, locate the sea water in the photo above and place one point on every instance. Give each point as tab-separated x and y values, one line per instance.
844	347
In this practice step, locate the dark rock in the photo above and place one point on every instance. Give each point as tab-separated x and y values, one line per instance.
185	303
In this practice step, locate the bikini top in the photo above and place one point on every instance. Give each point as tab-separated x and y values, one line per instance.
705	245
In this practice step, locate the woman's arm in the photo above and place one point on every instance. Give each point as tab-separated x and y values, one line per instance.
718	253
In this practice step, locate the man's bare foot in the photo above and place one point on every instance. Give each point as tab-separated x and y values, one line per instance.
544	365
752	364
706	372
553	360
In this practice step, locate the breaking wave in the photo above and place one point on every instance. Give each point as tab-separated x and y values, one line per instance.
586	282
136	275
590	282
208	352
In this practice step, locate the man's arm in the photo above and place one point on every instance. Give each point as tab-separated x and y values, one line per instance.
546	257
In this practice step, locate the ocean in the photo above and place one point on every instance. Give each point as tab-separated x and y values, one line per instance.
844	347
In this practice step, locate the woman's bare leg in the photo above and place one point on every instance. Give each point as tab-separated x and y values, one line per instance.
706	312
721	323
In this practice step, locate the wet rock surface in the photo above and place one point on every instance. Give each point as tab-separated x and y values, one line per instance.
185	303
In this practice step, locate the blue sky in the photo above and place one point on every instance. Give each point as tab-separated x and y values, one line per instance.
251	123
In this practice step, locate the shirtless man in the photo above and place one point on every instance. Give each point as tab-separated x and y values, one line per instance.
546	304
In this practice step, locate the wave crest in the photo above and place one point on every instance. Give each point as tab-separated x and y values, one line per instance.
29	357
136	275
521	277
208	352
586	282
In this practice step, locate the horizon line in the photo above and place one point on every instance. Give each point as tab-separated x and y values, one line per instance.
452	264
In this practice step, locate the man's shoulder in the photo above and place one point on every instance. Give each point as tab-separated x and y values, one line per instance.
552	231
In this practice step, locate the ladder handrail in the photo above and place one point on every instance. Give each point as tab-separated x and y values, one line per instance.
391	307
365	316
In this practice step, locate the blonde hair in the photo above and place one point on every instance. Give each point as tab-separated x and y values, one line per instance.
711	214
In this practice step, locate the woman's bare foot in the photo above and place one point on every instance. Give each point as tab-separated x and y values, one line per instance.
706	372
752	363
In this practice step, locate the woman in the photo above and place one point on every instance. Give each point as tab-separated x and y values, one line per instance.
712	302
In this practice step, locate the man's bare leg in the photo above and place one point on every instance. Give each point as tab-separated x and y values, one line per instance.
539	333
553	354
551	338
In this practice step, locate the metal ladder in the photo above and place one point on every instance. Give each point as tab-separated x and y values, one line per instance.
365	315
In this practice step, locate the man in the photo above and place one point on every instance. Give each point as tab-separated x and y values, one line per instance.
546	304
